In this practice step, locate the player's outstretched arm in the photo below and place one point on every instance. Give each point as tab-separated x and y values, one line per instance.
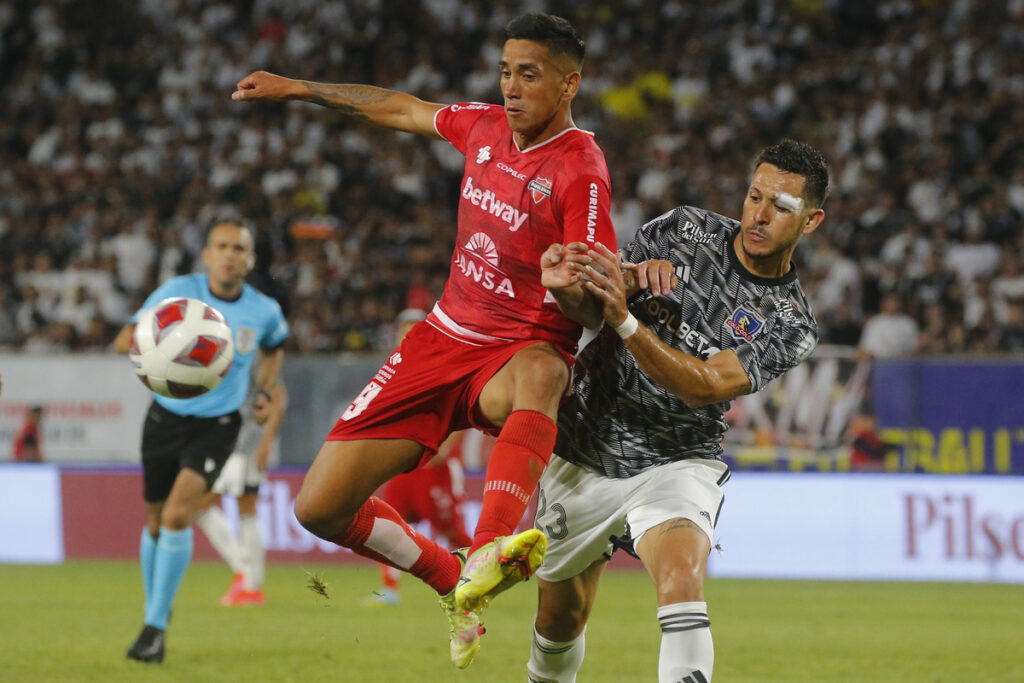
268	369
381	107
697	382
278	406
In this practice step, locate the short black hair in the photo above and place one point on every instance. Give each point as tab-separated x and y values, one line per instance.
228	220
799	157
554	33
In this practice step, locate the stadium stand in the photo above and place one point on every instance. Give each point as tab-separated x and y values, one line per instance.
119	142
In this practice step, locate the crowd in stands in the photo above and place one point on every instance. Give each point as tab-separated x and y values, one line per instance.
119	144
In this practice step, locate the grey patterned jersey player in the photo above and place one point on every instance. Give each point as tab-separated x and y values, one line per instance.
620	421
712	310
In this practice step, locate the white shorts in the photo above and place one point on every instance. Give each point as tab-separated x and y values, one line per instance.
582	513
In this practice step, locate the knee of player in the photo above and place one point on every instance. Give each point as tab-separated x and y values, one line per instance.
318	517
544	377
682	580
175	518
308	511
561	625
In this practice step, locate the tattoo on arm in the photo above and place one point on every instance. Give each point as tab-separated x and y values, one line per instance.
348	99
681	524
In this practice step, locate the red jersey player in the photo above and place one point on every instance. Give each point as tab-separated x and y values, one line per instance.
495	351
433	493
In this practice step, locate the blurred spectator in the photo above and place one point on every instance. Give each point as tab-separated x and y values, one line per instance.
28	446
120	144
890	332
1011	335
1008	286
867	450
838	326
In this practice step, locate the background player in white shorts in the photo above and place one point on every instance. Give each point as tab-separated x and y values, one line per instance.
639	449
241	477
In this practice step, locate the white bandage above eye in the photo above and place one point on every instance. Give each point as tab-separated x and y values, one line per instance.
789	202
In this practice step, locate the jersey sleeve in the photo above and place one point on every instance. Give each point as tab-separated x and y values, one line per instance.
276	330
586	211
646	241
455	121
788	343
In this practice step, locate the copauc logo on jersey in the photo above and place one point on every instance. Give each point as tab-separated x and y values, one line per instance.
745	323
540	188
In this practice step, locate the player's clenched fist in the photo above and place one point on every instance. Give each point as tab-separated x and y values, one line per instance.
263	85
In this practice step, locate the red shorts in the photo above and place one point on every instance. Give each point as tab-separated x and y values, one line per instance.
428	494
426	390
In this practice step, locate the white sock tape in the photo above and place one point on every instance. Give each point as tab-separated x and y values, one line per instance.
628	327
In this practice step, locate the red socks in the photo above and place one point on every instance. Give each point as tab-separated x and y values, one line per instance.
517	461
379	533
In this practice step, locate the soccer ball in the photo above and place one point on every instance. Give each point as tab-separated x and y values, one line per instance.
181	348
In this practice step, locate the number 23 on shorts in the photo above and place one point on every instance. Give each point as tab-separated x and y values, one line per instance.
557	528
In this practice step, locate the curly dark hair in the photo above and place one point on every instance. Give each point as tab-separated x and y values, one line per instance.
799	157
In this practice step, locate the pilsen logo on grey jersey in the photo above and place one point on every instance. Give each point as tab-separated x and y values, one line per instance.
618	421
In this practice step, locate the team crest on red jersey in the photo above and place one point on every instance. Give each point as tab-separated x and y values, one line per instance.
540	187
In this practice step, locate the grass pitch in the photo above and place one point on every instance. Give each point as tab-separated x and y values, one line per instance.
74	622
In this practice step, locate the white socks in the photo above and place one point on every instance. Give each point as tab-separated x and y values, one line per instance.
214	524
245	555
552	662
687	651
255	555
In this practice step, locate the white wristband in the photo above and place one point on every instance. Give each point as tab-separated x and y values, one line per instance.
628	327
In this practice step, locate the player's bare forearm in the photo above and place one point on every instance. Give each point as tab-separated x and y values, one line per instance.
579	305
268	369
352	100
379	106
695	381
276	409
279	402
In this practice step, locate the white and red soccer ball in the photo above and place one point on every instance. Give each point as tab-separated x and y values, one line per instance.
181	348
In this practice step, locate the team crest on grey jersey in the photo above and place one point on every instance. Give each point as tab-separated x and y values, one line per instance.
745	323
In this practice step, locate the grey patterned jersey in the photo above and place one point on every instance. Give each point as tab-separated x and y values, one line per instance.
618	422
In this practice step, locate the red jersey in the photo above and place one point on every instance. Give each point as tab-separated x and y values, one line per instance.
514	204
28	437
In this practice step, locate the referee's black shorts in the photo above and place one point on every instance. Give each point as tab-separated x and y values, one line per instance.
171	442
